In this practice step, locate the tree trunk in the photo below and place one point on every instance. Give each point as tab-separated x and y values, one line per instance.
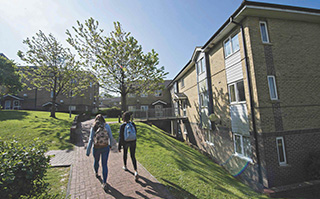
53	106
123	103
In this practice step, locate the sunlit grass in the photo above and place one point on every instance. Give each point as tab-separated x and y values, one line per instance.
58	180
183	170
24	126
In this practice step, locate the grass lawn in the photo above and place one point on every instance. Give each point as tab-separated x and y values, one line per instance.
27	125
58	180
183	170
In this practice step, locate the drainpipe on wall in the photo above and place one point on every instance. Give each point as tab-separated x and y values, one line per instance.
209	88
251	99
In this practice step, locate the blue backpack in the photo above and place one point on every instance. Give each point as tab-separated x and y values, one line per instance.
130	133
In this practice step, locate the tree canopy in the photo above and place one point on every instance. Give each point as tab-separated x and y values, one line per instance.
10	80
117	59
53	67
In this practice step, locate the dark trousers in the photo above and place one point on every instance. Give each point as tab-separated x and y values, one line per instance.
132	146
104	153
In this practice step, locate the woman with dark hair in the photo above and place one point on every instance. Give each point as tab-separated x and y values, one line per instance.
101	138
128	144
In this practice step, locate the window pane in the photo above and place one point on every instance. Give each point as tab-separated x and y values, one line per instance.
227	48
272	87
232	93
235	43
238	147
202	65
246	147
280	150
241	95
264	33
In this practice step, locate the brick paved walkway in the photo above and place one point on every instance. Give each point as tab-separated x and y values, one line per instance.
84	184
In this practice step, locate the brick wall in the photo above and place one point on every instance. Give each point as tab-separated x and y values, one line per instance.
298	145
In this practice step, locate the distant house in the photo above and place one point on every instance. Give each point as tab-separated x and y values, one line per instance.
109	102
157	101
33	98
250	94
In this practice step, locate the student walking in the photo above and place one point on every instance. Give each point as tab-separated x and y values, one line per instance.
127	139
101	138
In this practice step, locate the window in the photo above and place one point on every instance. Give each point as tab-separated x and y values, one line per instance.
236	92
131	108
144	95
72	108
264	32
272	88
200	66
242	145
182	82
158	93
175	87
231	45
51	94
16	104
144	107
281	151
131	95
71	93
209	137
204	100
184	108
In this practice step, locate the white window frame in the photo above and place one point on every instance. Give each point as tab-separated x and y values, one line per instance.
131	108
158	93
200	66
230	38
72	108
209	137
266	30
184	108
14	106
236	92
241	155
7	104
275	87
144	107
284	151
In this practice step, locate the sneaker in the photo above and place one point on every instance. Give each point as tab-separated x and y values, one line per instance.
125	168
105	186
136	176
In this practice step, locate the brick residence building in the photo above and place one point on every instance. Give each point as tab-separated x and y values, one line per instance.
250	95
40	99
160	99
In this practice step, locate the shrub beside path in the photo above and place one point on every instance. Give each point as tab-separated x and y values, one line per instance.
84	184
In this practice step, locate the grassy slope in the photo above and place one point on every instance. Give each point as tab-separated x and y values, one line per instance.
186	172
27	125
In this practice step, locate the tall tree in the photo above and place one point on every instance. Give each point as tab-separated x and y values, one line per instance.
54	67
10	81
117	59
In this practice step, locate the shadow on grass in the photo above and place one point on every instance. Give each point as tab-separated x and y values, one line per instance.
173	188
12	115
191	161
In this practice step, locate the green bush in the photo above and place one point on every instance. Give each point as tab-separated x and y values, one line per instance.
113	112
22	169
313	166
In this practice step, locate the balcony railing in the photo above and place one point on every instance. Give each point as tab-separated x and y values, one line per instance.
150	114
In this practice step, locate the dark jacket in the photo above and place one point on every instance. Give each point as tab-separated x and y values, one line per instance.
121	135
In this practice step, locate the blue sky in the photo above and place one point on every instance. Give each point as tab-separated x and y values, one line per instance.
172	27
